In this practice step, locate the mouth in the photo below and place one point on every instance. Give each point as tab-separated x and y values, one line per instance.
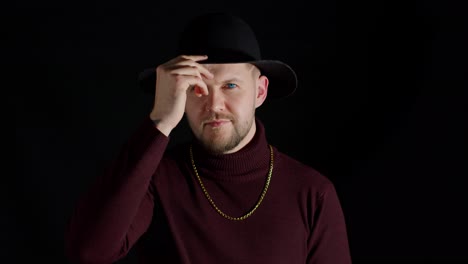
217	122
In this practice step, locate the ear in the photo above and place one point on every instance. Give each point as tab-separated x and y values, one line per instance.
262	90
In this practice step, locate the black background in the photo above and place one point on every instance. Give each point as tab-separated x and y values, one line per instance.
380	110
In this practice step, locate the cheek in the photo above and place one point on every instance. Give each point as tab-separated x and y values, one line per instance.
192	119
193	109
241	111
191	104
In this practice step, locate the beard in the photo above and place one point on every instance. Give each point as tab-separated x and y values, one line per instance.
223	139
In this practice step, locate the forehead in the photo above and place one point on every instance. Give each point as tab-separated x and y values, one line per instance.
229	68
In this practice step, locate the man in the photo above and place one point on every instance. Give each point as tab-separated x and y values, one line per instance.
227	196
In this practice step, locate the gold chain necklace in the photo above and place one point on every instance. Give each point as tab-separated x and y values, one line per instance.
213	203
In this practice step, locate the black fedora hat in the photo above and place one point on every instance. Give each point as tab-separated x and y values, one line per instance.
227	38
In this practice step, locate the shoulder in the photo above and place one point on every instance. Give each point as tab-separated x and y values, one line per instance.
301	175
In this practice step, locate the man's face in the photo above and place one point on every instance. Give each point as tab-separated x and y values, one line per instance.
224	120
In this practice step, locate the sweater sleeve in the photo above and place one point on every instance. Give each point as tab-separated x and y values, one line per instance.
117	209
328	242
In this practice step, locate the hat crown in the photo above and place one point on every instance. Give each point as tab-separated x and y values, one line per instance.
223	37
227	38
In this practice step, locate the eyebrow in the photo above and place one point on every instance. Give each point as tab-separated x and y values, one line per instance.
231	80
234	79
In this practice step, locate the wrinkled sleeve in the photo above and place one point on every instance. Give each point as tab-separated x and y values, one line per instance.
118	206
328	241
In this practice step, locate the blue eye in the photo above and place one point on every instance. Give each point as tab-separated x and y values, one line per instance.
231	85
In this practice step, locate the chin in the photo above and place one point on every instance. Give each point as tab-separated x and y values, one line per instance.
217	146
220	145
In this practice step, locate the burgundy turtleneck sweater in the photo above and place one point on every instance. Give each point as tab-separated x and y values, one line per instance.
149	199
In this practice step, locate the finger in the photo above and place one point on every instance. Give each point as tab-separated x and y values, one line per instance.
192	76
192	60
186	58
198	91
204	71
188	66
196	85
201	90
194	57
186	70
182	59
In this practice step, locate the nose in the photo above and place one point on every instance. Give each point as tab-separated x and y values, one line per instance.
215	101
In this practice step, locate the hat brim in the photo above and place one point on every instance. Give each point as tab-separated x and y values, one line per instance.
282	78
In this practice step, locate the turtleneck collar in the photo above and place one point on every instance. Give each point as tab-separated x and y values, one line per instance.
250	162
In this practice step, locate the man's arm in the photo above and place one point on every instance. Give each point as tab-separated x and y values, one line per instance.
328	243
118	207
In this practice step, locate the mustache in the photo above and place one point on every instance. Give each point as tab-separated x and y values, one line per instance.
217	116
